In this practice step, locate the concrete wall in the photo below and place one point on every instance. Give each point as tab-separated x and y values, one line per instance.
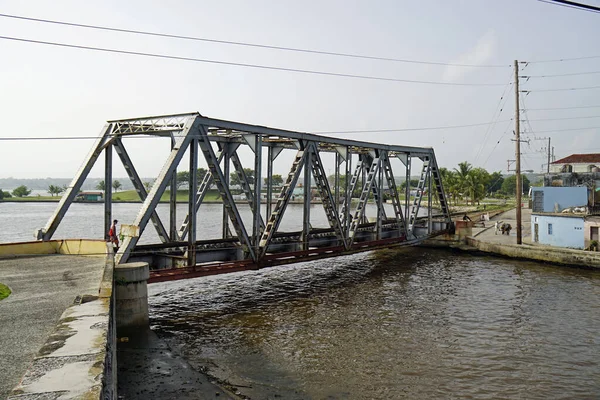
80	247
577	167
589	259
567	231
564	197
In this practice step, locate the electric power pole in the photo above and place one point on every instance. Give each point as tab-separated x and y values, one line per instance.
548	168
518	153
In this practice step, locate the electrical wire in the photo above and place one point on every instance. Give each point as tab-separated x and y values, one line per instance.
563	119
572	4
559	75
569	129
560	90
256	45
258	66
561	108
410	129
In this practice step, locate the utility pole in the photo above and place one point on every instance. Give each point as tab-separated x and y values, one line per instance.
518	153
548	169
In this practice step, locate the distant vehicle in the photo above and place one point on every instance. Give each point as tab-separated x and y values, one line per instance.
89	196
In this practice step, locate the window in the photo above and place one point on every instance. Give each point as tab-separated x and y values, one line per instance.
592	168
549	229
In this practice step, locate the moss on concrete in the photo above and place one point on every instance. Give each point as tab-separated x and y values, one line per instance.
4	291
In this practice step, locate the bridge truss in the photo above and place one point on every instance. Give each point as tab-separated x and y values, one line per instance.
362	175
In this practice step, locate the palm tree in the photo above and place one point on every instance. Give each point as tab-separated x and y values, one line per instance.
462	173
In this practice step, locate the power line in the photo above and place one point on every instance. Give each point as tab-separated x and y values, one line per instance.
562	119
411	129
561	108
559	75
572	4
263	46
561	89
570	129
500	106
267	67
562	59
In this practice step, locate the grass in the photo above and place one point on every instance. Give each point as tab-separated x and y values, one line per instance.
182	195
4	291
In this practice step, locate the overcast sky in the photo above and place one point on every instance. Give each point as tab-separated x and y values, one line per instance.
48	91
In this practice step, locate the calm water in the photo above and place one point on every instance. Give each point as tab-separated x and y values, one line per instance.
415	324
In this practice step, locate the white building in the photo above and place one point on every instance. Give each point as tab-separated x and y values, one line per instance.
578	163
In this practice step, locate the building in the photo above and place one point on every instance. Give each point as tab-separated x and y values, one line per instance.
561	217
89	196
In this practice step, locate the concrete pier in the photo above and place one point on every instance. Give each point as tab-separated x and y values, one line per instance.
131	294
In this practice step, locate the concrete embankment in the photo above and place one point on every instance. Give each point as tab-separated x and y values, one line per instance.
51	360
476	238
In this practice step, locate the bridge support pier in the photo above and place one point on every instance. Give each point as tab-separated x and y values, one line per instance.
131	284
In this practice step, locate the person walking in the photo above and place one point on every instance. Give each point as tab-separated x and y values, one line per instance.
112	234
496	228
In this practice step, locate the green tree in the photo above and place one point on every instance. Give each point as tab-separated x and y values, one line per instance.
234	178
55	190
183	178
101	186
116	185
509	186
413	183
276	180
21	191
148	185
495	183
1	195
475	183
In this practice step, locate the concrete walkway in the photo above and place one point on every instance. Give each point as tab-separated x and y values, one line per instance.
42	288
488	234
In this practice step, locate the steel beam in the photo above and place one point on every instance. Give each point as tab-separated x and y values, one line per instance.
139	187
158	189
75	185
172	203
193	187
257	223
108	189
307	199
219	179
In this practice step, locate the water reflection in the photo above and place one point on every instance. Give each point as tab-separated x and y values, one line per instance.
415	324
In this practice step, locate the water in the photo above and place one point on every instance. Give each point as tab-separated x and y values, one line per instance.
415	324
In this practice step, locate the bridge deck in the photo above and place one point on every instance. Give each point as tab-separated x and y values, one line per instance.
42	288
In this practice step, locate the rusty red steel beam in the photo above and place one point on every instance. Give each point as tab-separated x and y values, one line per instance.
270	260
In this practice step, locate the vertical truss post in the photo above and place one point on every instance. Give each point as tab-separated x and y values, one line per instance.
364	196
282	201
69	195
172	203
139	187
393	192
407	188
257	222
162	181
336	182
331	212
269	179
193	187
414	212
348	195
380	211
348	203
225	151
107	189
202	190
307	198
219	179
437	180
246	186
429	204
363	179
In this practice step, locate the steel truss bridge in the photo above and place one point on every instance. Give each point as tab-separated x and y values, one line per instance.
363	167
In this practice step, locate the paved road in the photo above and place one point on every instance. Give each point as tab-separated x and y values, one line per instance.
42	288
488	234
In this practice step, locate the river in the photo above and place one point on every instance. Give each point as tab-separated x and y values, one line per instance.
413	323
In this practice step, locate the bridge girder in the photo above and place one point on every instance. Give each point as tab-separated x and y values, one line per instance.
216	142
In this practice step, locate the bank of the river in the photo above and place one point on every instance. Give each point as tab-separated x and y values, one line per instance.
484	239
4	291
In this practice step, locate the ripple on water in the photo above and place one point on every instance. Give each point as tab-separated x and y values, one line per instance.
411	323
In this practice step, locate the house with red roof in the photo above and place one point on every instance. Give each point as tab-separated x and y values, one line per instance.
579	163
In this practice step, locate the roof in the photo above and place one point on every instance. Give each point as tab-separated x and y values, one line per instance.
579	159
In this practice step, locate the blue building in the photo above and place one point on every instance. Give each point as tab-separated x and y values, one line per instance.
558	216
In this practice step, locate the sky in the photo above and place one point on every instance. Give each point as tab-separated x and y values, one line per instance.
49	91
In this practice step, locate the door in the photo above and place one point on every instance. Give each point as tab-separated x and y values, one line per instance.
536	233
593	233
